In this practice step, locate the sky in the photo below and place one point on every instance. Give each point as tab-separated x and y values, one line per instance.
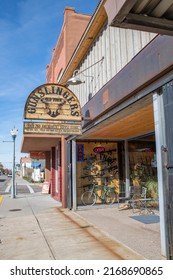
29	30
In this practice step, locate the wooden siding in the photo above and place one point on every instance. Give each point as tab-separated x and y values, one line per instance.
118	47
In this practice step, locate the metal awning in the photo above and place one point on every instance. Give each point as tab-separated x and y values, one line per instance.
36	165
145	15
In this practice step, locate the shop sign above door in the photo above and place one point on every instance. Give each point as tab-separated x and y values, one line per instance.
52	102
37	155
52	128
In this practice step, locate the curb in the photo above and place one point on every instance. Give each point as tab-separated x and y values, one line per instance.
1	199
116	247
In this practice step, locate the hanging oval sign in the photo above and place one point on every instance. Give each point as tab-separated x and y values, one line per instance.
99	150
52	102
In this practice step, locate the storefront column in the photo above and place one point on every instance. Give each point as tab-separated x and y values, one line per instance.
64	171
160	141
127	175
74	191
47	167
53	171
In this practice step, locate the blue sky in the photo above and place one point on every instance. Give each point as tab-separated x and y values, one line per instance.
29	30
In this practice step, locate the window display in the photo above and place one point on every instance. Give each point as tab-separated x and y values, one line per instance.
143	166
97	163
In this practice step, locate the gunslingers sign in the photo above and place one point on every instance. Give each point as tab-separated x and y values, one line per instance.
56	104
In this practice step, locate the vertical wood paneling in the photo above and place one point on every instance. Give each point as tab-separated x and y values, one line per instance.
129	42
118	46
100	66
91	73
95	68
85	75
123	47
145	39
104	76
118	50
112	50
108	54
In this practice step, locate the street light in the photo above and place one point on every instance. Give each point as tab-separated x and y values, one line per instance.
13	134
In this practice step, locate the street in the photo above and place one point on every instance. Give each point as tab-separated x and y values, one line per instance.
21	186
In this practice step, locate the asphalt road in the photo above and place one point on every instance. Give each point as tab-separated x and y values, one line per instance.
21	186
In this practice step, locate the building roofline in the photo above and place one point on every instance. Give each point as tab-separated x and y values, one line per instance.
94	26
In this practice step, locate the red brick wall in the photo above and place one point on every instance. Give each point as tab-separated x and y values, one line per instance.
73	27
59	173
56	195
53	172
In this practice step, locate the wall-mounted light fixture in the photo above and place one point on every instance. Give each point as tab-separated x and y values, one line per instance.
75	80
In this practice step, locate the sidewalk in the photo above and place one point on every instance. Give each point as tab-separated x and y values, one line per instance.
141	233
34	226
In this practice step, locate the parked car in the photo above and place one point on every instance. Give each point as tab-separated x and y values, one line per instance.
9	174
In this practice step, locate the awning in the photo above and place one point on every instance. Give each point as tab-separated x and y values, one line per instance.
146	15
39	142
36	165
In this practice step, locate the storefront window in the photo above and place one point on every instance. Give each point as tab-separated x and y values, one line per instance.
97	163
143	166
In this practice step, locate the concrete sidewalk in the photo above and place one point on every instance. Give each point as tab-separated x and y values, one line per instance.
139	232
34	226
